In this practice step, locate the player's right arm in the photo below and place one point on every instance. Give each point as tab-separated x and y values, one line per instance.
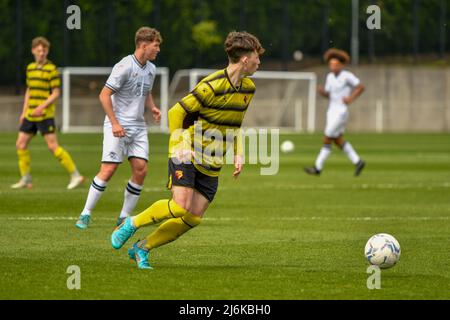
321	90
106	101
180	140
180	144
324	92
118	77
177	114
25	105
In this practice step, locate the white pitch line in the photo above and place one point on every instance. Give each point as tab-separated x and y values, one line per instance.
62	190
363	218
380	186
49	218
296	218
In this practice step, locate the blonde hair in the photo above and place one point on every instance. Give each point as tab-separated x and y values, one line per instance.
40	41
147	34
238	44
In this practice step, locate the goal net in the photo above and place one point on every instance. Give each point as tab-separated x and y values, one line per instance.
81	108
284	100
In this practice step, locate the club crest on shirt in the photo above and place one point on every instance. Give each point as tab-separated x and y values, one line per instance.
179	174
245	99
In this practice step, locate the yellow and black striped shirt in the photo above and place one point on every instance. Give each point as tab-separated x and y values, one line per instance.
40	82
218	106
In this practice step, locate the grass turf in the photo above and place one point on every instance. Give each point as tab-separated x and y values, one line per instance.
287	236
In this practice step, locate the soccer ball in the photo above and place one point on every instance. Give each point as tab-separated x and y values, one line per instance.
298	55
382	250
287	146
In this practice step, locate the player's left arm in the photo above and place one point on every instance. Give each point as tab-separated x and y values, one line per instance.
149	102
355	94
39	111
238	153
357	91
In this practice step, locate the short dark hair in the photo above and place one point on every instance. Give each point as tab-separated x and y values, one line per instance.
147	34
238	44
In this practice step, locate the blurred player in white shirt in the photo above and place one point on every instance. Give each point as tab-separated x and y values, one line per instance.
342	88
124	97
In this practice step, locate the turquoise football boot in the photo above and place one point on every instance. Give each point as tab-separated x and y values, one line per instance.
83	222
119	221
122	233
140	256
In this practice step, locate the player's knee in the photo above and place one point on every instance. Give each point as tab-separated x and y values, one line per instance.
176	209
183	201
183	197
191	220
52	147
339	142
20	145
141	172
327	140
106	173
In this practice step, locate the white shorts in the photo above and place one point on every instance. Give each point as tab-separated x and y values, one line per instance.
133	145
336	121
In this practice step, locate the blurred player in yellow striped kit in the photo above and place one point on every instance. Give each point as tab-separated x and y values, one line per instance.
38	114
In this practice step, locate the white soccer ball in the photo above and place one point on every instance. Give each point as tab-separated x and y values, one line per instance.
382	250
298	55
287	146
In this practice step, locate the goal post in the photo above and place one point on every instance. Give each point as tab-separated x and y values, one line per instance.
282	95
68	73
284	100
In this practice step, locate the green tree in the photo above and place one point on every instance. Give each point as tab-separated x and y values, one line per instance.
205	35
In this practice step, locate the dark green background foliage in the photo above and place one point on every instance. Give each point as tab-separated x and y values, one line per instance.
409	27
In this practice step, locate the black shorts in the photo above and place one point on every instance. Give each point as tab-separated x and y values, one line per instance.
45	126
186	175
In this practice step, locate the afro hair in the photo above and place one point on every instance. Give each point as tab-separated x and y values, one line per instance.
334	53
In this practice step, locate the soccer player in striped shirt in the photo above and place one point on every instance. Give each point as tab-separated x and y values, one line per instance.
43	88
124	97
218	103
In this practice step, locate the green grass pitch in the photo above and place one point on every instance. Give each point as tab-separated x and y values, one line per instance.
288	236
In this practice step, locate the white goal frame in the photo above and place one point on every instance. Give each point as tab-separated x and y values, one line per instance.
194	74
69	71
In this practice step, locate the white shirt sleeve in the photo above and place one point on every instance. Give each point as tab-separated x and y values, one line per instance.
352	80
152	78
118	76
328	84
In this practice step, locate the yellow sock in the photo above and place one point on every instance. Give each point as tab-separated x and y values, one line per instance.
171	230
157	212
24	162
64	158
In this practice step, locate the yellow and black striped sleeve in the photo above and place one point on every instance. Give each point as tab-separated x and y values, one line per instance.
201	97
238	143
55	81
176	116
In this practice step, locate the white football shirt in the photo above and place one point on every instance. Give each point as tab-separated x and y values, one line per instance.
338	87
131	83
